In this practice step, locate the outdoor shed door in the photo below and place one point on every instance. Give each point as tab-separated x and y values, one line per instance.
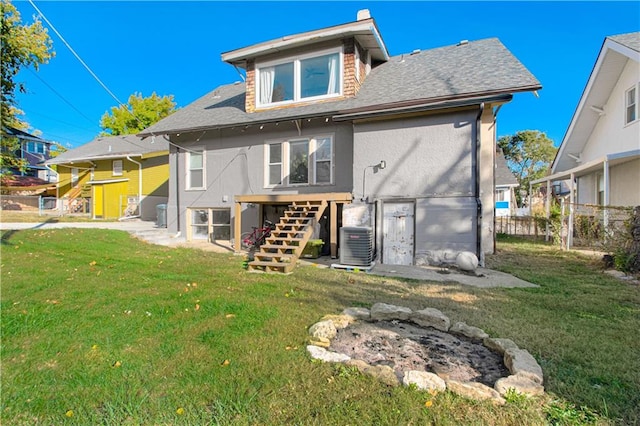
397	230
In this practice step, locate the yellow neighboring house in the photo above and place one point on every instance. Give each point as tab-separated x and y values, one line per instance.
120	176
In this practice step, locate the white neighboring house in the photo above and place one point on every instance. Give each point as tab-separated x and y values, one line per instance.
506	184
600	153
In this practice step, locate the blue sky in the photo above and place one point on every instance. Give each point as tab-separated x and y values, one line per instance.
174	48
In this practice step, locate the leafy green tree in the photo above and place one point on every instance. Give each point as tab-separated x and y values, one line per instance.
137	115
21	46
529	154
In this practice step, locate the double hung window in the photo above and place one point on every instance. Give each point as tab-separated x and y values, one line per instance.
297	79
117	168
307	161
195	168
631	105
36	147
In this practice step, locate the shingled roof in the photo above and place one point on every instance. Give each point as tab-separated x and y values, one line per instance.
111	147
503	175
452	73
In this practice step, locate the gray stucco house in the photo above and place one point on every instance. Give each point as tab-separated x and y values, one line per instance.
329	130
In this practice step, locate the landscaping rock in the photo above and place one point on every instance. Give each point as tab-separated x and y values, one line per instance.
324	329
323	342
339	321
423	380
499	345
475	391
614	273
358	363
467	261
358	313
469	331
520	361
385	312
431	317
322	354
384	373
520	384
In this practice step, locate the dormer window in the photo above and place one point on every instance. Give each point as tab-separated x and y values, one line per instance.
308	77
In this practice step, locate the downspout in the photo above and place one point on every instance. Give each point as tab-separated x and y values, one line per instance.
139	187
476	161
177	175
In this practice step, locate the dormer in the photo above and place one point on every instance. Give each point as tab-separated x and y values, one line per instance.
317	66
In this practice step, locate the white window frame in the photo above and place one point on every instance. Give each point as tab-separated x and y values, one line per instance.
269	163
636	88
116	168
34	147
296	77
75	177
285	156
188	169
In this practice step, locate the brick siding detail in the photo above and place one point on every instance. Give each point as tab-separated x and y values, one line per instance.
250	98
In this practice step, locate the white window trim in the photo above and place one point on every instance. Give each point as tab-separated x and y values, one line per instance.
296	80
114	168
284	169
187	169
637	109
268	163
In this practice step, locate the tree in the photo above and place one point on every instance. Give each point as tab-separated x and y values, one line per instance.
529	154
137	115
21	46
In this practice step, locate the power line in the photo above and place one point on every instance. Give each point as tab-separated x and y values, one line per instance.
104	86
75	54
62	97
39	114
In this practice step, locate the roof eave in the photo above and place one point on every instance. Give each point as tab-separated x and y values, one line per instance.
426	105
89	159
239	57
608	44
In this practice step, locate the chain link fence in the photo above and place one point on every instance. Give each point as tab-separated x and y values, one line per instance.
45	205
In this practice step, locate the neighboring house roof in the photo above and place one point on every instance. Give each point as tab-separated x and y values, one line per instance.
611	61
23	135
468	70
503	175
103	148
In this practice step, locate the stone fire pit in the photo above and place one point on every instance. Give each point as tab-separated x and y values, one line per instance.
422	348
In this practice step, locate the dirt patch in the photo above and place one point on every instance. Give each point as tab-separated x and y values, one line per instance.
404	346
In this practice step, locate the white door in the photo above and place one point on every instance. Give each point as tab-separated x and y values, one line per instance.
397	230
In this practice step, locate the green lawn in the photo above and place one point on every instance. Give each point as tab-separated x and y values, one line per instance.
101	328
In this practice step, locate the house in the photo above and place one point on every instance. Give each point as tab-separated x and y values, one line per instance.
329	129
34	151
506	184
116	176
600	153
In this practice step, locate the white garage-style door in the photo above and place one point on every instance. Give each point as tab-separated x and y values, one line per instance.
398	233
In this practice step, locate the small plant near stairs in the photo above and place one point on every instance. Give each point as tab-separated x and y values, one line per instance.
283	247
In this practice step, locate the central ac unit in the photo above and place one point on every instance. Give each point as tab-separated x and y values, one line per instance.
356	246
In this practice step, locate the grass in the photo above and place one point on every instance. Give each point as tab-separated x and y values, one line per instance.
101	328
12	216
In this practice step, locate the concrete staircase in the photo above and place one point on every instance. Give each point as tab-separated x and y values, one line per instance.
283	247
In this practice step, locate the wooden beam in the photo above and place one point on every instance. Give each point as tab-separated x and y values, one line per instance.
237	228
333	228
344	197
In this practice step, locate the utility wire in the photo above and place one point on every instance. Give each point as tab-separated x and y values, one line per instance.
75	54
104	86
62	97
